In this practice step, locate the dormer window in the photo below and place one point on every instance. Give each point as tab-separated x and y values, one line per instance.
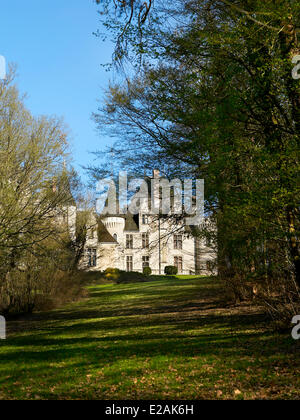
145	219
92	234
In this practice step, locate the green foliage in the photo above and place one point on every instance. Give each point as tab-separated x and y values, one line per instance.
147	271
112	274
221	104
131	277
119	276
171	270
110	270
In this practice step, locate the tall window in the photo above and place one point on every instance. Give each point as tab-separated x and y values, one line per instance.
145	237
208	242
129	241
129	263
209	265
65	217
116	237
178	263
177	241
145	219
146	262
92	257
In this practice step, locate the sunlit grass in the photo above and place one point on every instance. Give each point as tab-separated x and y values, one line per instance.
164	339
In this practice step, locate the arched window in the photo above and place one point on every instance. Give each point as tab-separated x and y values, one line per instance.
116	237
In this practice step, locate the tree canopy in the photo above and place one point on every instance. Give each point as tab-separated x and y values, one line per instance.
214	97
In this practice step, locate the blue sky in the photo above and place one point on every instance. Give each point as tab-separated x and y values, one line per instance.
59	63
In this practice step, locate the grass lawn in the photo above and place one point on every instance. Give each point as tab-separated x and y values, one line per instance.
169	338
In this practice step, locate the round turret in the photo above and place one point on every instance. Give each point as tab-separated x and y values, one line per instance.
115	226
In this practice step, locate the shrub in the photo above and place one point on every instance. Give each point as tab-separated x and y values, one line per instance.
111	271
112	274
38	289
120	276
131	277
147	271
171	270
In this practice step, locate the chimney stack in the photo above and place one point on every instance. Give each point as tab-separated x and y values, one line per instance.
155	191
54	186
156	173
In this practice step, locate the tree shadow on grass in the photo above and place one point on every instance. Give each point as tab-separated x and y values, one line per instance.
106	349
55	359
181	307
122	328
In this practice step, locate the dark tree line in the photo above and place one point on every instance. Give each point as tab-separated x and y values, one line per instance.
210	94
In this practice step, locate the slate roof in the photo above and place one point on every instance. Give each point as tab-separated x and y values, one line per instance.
103	235
131	223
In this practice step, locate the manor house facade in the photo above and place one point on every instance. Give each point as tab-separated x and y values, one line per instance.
132	242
